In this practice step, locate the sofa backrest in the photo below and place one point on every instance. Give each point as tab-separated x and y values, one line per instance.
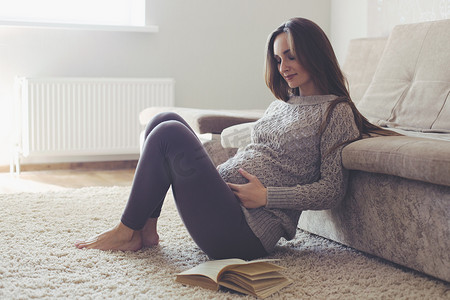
411	85
360	63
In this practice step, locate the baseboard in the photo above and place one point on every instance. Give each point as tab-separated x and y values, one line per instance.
94	165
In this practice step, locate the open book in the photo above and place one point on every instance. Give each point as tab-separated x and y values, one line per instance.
259	278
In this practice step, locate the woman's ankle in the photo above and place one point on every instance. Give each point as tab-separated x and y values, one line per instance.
124	230
149	233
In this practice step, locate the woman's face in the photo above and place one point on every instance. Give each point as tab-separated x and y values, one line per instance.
291	69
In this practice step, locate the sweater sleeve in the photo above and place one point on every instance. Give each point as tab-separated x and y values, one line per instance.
330	189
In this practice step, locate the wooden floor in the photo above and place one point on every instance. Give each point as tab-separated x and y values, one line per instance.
41	181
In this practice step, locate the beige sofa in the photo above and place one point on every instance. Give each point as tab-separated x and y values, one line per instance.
398	202
397	206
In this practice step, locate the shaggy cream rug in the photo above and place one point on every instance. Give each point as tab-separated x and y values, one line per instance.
38	259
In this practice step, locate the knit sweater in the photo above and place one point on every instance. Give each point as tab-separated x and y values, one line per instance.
292	159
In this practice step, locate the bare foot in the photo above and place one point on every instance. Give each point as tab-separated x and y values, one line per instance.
149	233
120	237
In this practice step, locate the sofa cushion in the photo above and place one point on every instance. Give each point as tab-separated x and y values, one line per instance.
205	120
414	158
237	136
410	88
360	64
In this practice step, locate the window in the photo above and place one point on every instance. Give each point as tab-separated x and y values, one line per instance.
93	14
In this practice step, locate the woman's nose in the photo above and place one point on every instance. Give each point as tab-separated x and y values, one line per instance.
283	67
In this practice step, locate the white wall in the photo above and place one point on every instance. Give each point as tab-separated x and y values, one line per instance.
348	21
352	19
214	50
384	15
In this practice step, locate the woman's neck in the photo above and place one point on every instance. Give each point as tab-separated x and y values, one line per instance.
313	91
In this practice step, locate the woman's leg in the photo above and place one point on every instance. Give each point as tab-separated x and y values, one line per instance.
213	216
173	155
122	237
149	230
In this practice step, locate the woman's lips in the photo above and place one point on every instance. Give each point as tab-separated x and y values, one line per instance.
289	77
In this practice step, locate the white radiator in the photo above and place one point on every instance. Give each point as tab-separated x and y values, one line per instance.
85	116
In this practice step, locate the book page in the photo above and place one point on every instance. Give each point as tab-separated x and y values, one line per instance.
212	269
259	274
269	290
261	288
198	280
256	267
251	284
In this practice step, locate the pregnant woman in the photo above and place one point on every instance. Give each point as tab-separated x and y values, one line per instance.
246	205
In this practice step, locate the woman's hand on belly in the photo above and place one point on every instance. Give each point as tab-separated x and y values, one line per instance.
252	194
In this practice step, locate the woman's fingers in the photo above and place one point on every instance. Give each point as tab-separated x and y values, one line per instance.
246	174
233	187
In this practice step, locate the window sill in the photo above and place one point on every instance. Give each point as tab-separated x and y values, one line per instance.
18	24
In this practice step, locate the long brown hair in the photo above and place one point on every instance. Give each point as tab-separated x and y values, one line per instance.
310	45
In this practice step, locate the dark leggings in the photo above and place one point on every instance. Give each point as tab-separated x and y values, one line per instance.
173	155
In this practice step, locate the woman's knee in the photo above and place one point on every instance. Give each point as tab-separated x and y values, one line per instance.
177	144
170	130
160	118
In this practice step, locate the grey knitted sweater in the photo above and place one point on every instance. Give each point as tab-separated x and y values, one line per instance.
289	156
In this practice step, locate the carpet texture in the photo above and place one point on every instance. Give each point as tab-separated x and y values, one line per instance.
38	259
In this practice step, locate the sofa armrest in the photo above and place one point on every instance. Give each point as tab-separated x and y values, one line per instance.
205	120
217	123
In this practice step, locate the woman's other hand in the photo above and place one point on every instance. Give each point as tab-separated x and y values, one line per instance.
252	194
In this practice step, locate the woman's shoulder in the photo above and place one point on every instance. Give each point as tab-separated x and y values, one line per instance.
340	118
340	107
275	106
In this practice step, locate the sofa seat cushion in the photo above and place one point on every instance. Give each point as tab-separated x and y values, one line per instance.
414	158
411	85
205	120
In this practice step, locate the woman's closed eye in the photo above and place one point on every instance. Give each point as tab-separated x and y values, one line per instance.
279	60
